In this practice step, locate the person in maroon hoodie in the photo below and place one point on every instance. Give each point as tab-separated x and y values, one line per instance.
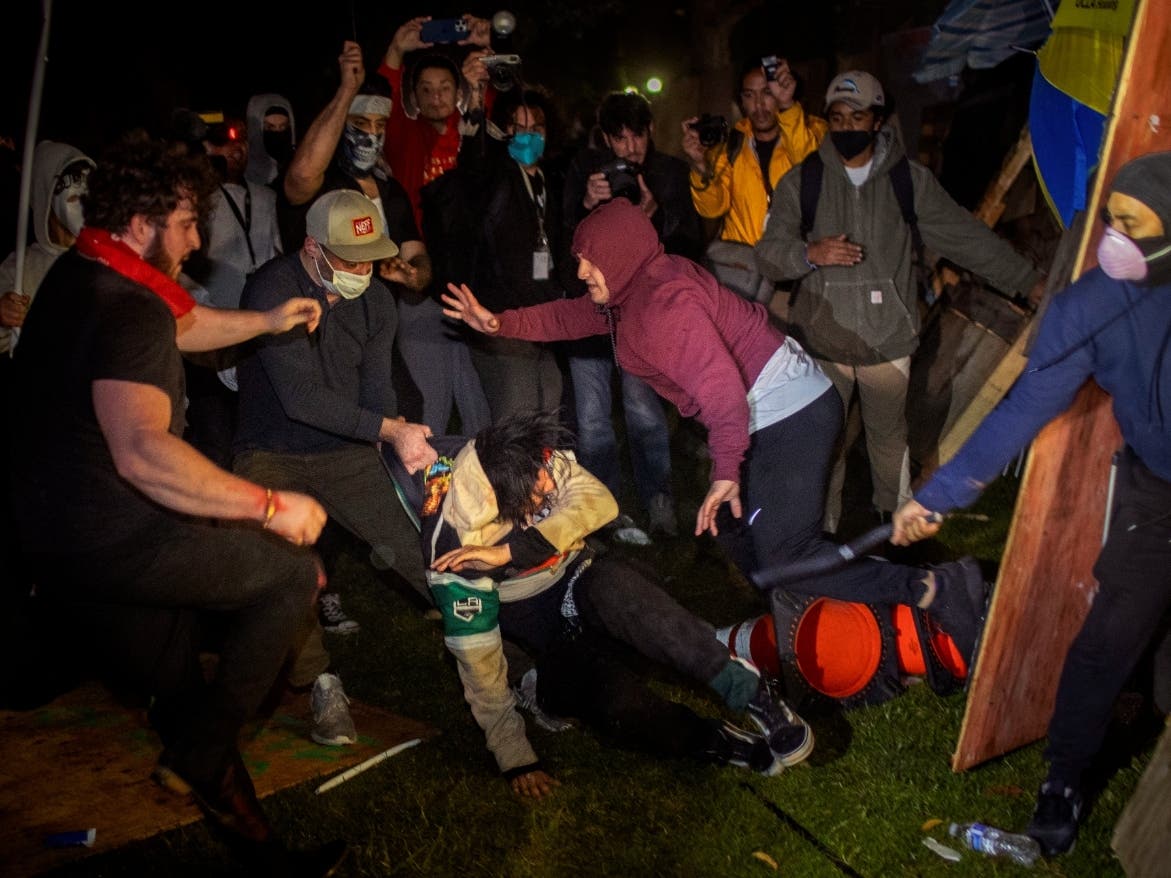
772	416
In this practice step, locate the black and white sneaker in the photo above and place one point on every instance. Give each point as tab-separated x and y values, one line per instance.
1055	819
333	617
789	737
730	745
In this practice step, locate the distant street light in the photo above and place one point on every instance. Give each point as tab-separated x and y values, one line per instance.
654	85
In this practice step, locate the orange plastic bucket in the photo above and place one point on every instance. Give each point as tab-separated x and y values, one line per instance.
838	647
910	653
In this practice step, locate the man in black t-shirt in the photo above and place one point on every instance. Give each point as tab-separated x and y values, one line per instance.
115	508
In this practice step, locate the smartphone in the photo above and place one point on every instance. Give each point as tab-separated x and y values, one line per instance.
444	30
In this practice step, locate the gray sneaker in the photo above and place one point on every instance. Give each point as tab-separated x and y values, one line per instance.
525	693
332	723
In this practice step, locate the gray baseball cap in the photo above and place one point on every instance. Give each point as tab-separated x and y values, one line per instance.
347	223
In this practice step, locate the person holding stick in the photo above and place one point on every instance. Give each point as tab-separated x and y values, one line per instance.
1112	325
772	416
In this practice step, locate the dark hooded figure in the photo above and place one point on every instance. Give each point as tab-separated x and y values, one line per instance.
1113	325
772	416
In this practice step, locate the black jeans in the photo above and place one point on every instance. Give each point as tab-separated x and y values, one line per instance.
783	486
587	672
1134	593
136	610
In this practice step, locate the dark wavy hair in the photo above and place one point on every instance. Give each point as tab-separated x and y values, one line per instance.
138	174
535	97
624	109
512	454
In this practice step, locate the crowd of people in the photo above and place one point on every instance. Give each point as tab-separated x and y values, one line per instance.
411	318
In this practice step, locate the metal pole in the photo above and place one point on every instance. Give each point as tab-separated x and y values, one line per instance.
30	143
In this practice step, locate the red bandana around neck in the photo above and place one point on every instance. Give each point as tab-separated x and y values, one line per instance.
117	256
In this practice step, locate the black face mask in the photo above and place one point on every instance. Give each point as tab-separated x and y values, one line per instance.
851	143
279	145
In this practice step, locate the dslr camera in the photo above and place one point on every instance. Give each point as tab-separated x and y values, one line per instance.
622	175
711	129
503	70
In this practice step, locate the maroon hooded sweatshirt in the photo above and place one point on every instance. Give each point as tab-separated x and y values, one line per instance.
698	344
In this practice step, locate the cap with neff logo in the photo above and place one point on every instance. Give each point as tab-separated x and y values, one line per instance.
348	224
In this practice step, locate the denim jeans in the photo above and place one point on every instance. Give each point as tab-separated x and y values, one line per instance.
646	428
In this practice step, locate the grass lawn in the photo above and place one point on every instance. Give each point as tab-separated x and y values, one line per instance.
857	807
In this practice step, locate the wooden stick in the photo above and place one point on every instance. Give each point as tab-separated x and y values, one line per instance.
369	763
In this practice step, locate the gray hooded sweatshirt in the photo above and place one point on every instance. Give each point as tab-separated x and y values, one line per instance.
49	160
262	167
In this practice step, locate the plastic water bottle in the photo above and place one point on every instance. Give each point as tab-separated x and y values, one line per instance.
1021	849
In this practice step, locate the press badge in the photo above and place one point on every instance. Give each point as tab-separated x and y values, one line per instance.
876	297
541	264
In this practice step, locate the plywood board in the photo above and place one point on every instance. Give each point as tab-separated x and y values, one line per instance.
1046	577
84	761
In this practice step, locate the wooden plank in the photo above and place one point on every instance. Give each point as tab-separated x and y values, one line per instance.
991	206
1013	363
1142	836
1046	571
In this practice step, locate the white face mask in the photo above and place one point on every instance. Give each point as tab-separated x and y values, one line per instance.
66	206
346	284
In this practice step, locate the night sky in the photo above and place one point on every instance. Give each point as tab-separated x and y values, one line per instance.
119	64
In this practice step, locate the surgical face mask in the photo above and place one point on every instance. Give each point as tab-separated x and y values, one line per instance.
361	149
527	147
279	145
1124	258
851	143
346	284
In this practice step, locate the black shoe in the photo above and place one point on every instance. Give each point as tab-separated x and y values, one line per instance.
730	745
235	816
1055	820
960	603
789	737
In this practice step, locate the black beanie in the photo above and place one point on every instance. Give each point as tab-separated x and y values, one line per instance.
1148	179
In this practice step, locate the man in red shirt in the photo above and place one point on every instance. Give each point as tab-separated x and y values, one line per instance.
422	133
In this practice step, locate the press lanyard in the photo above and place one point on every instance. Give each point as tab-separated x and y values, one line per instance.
539	202
542	258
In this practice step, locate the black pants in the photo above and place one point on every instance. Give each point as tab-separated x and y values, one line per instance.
1134	592
588	673
137	609
783	487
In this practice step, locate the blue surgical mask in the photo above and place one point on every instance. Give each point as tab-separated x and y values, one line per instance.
527	147
361	150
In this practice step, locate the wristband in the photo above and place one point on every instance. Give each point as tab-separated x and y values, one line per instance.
805	256
269	507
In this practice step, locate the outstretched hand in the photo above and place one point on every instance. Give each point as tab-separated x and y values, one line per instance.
721	491
463	305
